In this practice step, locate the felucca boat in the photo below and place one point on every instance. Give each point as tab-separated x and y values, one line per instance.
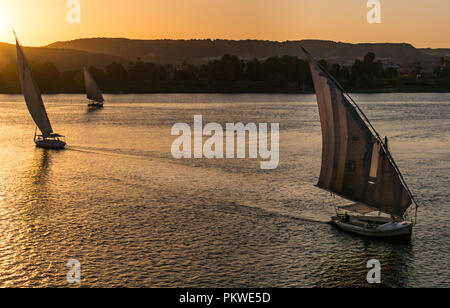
93	92
48	139
358	166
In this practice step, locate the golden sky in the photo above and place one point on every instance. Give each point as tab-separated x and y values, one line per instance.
423	23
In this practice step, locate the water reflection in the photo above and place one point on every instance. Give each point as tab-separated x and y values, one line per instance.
347	267
118	202
93	110
23	258
37	173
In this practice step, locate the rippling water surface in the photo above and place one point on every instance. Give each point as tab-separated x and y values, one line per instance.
133	216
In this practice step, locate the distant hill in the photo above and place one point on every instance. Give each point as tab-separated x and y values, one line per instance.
64	59
100	52
228	75
201	51
439	52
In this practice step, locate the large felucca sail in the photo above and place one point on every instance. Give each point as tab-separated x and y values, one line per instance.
356	162
92	90
32	94
35	103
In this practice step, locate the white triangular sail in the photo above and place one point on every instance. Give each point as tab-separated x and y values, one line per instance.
32	94
92	91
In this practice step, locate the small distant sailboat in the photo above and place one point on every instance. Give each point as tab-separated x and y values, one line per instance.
35	104
93	92
358	166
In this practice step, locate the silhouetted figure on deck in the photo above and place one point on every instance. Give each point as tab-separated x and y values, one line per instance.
346	218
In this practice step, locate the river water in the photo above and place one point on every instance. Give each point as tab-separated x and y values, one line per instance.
117	201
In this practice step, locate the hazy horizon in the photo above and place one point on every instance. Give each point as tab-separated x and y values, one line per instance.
216	39
413	22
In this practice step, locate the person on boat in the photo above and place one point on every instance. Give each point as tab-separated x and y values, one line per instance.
346	218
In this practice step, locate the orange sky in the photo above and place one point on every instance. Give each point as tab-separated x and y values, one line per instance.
424	23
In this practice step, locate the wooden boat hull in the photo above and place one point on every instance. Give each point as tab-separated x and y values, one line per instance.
95	105
386	230
50	144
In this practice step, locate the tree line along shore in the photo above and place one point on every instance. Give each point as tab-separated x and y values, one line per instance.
230	74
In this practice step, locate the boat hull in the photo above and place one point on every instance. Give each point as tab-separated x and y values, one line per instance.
50	144
386	230
95	105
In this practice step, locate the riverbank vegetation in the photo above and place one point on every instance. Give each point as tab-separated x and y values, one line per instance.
230	74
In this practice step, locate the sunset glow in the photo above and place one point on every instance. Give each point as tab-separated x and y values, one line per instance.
224	150
4	21
40	22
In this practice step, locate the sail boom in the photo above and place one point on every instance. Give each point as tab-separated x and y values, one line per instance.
374	207
357	208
